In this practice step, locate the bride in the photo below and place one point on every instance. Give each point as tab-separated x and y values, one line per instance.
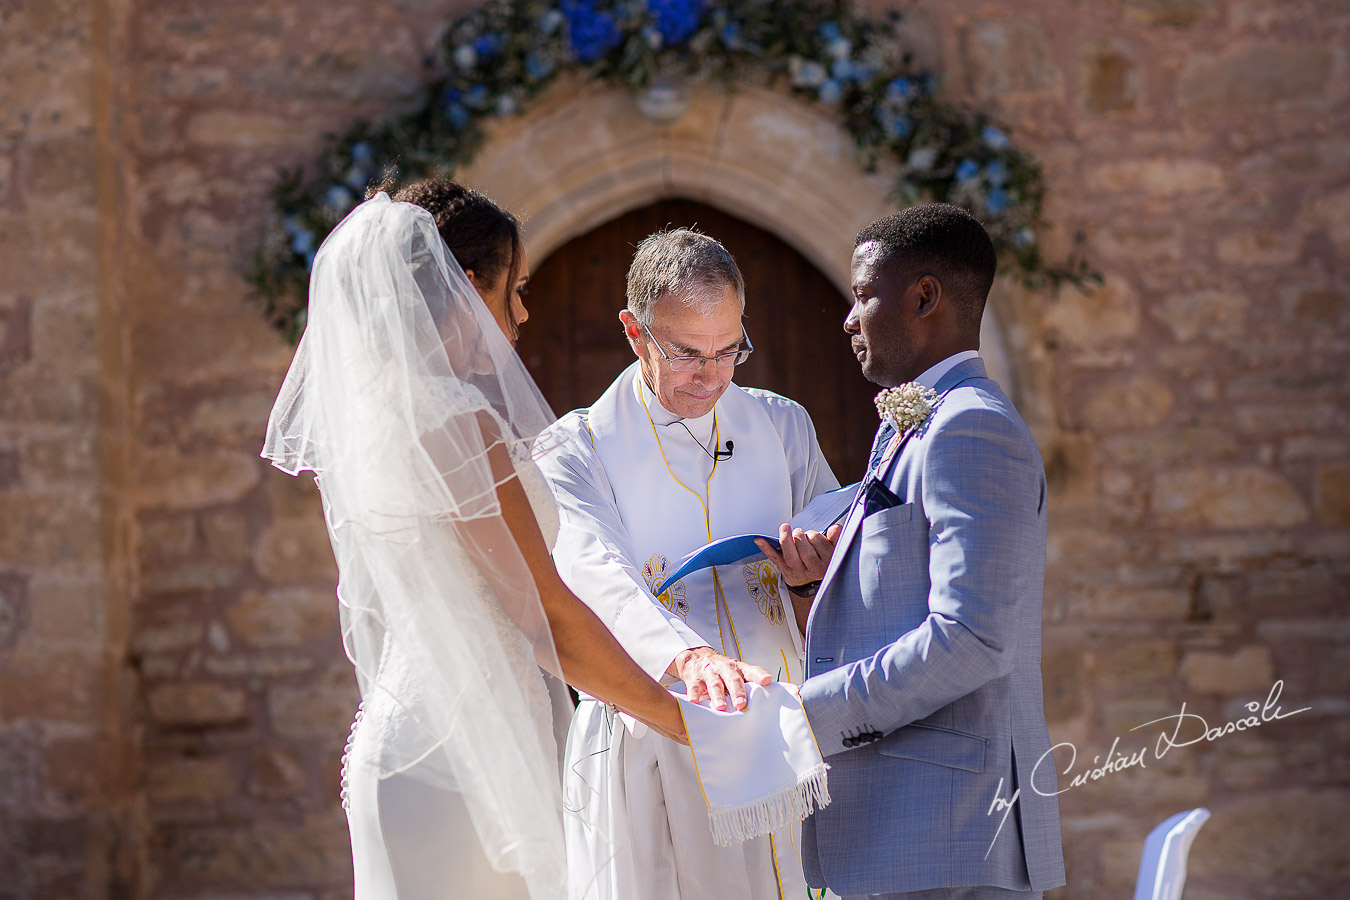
420	424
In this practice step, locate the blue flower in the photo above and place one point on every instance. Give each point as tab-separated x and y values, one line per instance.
996	202
842	70
831	92
1024	238
996	172
363	154
551	21
893	125
829	31
477	97
488	46
921	159
506	105
967	169
357	178
538	67
677	20
339	198
994	138
862	72
806	72
898	91
839	48
591	32
455	112
302	240
731	34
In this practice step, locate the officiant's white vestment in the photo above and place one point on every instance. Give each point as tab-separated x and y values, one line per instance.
636	491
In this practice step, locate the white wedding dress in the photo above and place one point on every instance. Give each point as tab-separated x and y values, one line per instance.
401	398
410	843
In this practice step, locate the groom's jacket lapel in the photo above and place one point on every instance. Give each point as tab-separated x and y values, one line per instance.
959	374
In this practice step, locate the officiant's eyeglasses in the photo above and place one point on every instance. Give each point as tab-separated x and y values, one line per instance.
694	363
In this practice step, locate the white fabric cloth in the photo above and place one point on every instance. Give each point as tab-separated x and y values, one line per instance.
637	827
760	768
411	408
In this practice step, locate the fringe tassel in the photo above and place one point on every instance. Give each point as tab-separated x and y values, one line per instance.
734	824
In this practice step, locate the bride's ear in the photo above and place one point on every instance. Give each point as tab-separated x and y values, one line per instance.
478	285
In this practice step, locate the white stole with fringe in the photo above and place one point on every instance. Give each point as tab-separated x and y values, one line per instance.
760	769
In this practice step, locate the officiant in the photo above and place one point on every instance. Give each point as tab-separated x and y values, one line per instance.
671	457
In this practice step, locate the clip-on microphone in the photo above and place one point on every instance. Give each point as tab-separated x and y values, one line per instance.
714	455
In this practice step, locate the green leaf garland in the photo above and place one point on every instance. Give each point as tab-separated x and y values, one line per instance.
502	55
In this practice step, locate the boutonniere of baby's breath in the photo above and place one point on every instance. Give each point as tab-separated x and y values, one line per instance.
908	405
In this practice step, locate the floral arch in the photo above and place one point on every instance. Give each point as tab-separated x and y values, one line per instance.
777	163
901	139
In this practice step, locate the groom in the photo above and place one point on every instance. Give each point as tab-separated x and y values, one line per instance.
924	643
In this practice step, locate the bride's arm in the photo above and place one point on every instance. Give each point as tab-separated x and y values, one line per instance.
592	659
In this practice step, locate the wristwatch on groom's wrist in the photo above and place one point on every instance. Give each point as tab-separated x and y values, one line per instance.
805	591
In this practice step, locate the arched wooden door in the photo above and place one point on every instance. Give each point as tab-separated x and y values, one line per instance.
574	344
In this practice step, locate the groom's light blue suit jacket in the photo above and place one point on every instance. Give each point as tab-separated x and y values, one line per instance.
924	663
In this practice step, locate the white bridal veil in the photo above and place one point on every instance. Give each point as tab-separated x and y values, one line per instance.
409	405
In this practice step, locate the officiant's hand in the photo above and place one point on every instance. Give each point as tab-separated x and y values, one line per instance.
705	671
805	555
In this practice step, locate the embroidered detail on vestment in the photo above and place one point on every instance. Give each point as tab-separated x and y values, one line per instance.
672	598
762	581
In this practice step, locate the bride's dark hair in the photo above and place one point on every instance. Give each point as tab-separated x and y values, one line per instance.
481	235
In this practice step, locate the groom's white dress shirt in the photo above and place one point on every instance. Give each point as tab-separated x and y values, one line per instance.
933	374
636	491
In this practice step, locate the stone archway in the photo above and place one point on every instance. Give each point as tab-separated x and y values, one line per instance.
584	155
572	344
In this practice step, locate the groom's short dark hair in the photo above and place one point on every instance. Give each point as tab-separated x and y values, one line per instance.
941	240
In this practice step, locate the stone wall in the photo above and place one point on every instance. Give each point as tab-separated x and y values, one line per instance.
173	697
1193	415
67	823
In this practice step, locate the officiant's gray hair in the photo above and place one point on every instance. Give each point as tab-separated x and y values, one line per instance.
684	263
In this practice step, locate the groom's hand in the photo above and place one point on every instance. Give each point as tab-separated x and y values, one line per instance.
805	555
705	671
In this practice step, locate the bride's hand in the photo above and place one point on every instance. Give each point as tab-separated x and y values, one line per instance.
670	723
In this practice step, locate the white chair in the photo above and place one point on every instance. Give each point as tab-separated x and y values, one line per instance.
1162	869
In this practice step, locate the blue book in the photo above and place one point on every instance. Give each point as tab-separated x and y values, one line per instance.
818	515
